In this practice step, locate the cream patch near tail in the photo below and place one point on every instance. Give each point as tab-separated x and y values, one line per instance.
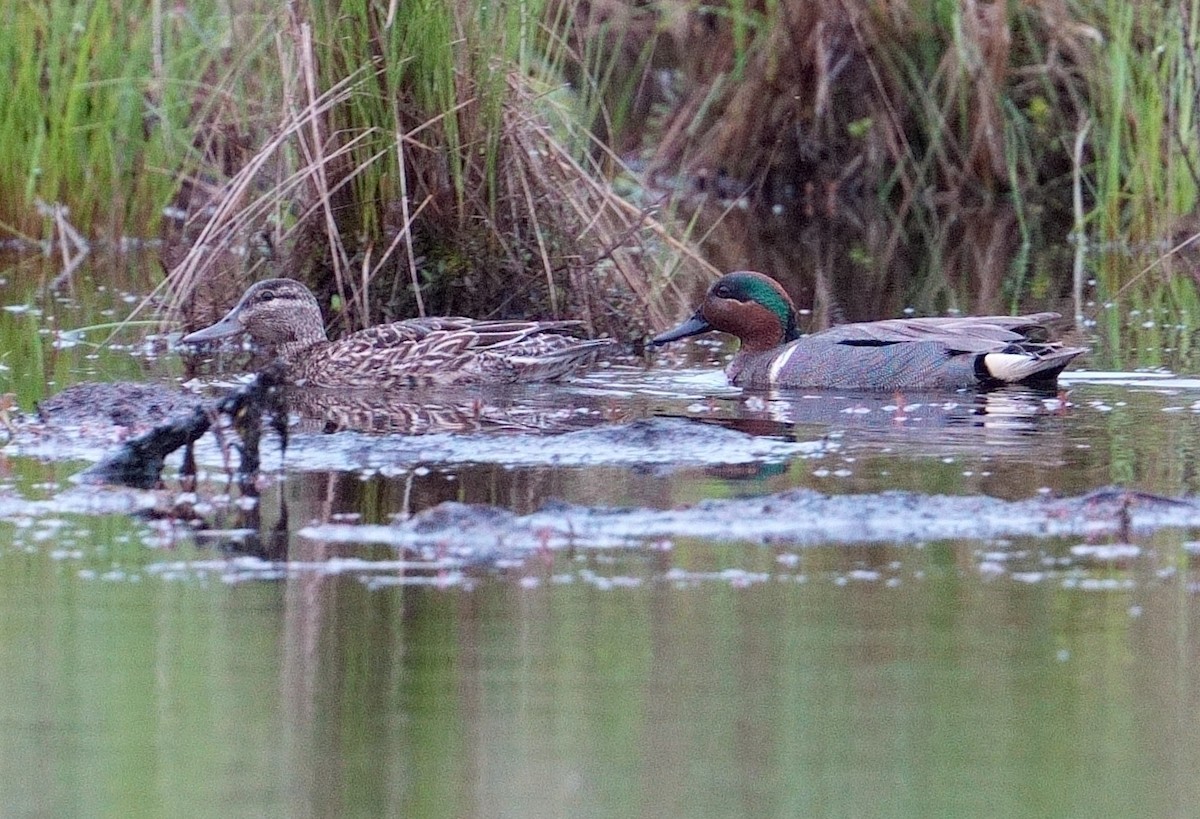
1012	366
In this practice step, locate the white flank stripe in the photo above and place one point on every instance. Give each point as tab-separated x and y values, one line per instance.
778	365
1009	366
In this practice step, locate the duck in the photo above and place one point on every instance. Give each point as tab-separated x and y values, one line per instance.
282	318
971	352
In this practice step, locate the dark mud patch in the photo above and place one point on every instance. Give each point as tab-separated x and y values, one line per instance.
796	518
1096	542
130	406
90	421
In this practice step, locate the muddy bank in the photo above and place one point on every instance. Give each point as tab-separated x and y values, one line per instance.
795	518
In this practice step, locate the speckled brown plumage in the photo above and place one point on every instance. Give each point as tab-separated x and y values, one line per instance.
283	318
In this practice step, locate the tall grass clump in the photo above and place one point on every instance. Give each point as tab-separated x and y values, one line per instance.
906	123
1147	158
891	122
613	55
97	113
428	157
423	166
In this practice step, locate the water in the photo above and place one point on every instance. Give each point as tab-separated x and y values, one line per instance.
861	662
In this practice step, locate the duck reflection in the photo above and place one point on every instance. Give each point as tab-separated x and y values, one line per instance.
979	431
1012	411
428	411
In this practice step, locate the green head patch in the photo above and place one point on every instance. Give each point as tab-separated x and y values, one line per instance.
755	287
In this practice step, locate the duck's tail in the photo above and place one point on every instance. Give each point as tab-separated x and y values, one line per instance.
564	358
1030	368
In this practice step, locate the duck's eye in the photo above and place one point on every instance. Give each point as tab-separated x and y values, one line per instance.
267	295
723	291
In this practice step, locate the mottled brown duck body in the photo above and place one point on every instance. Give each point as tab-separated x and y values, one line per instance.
283	319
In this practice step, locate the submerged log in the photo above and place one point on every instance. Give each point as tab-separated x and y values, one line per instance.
139	461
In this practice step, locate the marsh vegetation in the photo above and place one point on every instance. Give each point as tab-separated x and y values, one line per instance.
591	157
655	593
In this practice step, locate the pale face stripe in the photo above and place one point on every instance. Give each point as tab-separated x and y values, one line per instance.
778	364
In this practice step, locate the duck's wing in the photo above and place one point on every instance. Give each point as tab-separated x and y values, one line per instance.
501	336
452	349
470	332
968	334
404	346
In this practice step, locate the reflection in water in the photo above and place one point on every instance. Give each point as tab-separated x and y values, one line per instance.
268	543
918	417
427	411
573	700
378	498
1025	675
1013	424
608	688
1010	444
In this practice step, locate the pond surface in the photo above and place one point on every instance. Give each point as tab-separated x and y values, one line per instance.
810	605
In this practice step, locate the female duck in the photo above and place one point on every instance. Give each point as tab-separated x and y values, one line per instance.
919	353
283	318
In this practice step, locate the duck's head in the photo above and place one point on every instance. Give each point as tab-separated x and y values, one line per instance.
746	304
276	313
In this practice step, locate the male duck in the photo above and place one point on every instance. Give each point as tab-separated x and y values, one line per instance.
283	318
918	353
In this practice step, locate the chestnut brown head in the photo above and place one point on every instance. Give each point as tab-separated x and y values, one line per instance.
745	304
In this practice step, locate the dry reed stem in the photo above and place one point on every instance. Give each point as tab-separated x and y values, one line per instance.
543	252
1080	228
230	218
72	246
314	151
605	221
406	229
